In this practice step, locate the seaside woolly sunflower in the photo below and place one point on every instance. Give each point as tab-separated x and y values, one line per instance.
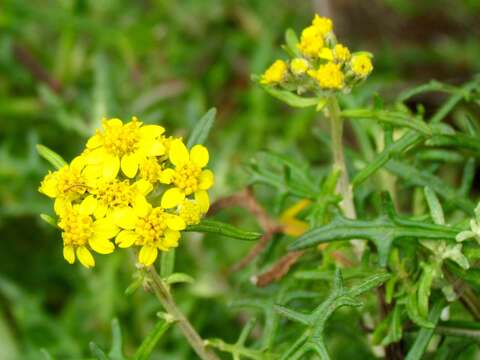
110	193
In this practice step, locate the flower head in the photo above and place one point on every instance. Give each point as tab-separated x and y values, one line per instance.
341	53
299	66
158	230
123	146
275	73
361	65
329	76
82	233
188	177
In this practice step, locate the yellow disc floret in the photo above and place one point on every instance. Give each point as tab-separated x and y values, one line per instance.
299	66
311	41
119	139
322	24
190	212
329	76
150	170
341	53
361	65
275	74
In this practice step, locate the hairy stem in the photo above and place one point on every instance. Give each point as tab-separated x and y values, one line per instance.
164	296
343	186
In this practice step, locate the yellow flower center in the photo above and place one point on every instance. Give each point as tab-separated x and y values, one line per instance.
275	73
150	170
69	182
121	140
114	193
329	76
151	229
190	212
77	228
361	65
187	177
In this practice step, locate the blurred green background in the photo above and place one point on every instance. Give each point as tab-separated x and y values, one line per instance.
66	64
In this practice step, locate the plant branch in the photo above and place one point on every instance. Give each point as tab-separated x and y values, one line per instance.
343	185
163	294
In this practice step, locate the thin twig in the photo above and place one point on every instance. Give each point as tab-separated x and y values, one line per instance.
167	301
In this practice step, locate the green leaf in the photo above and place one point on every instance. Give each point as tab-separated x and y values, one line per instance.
148	345
51	156
436	210
381	231
176	278
49	220
116	348
290	98
97	352
419	347
221	228
291	41
201	130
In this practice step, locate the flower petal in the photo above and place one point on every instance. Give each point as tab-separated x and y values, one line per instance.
94	142
206	180
111	166
129	165
69	254
171	238
85	257
155	148
114	123
143	186
59	205
101	246
126	238
151	131
175	222
125	218
148	255
167	175
88	205
172	197
105	228
141	206
178	153
199	155
203	201
100	211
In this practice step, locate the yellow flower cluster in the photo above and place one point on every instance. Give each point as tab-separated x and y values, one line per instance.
320	63
131	186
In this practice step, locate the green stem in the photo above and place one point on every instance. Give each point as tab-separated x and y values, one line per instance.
343	186
168	303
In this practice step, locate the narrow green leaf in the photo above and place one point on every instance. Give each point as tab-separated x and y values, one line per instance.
436	210
49	220
290	98
291	41
148	345
97	352
116	349
201	130
293	315
221	228
419	347
51	156
176	278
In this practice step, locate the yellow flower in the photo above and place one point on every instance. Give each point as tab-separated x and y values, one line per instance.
326	54
66	184
158	230
299	66
192	211
123	146
341	53
120	200
311	41
361	65
275	73
187	177
81	233
322	24
150	170
329	76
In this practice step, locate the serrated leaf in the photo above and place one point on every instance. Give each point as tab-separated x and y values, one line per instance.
381	231
290	98
221	228
51	156
202	128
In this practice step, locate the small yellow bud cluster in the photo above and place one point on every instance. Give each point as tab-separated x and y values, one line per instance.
105	195
319	64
